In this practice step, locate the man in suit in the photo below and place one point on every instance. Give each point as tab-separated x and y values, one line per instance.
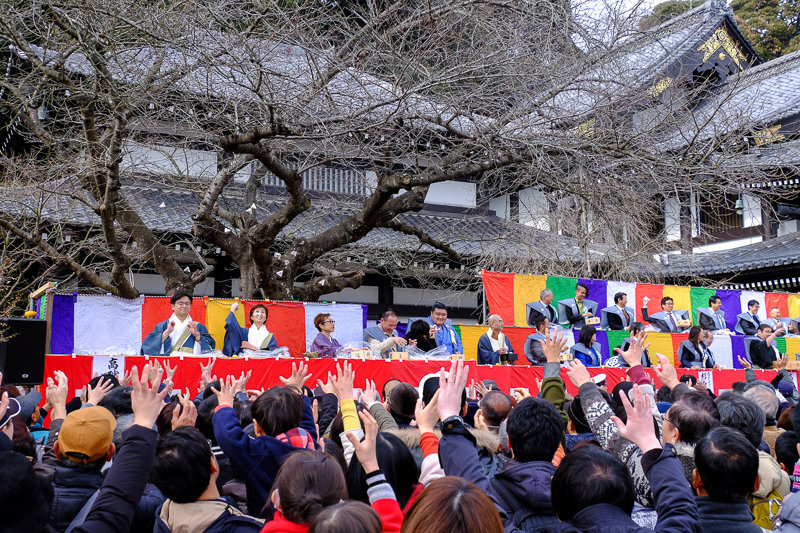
542	309
776	321
762	351
578	309
619	316
667	320
712	317
747	323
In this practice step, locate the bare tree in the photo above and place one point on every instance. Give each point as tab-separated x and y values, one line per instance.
400	96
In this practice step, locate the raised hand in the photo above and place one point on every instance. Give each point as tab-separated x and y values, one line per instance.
327	387
170	371
667	374
240	385
57	392
744	362
481	389
96	394
146	401
192	326
184	414
343	381
126	379
366	449
427	417
370	393
520	393
234	306
450	387
298	378
153	369
578	374
226	391
639	428
781	363
633	355
554	347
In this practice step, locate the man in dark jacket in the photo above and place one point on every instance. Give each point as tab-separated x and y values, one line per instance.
726	474
186	472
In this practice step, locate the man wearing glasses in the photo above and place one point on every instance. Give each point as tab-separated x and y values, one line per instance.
179	333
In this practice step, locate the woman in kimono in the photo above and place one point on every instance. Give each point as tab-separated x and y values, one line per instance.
324	344
257	338
179	333
587	349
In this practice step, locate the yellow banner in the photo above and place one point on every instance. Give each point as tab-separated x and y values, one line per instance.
526	289
661	343
470	335
680	297
216	313
794	306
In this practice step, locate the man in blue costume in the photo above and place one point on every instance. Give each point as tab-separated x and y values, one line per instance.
179	333
440	328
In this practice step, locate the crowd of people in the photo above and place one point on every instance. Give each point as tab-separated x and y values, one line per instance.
446	454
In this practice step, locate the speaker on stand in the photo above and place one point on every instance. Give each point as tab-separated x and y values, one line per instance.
22	349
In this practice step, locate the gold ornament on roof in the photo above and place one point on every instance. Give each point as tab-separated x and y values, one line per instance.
768	135
722	39
659	87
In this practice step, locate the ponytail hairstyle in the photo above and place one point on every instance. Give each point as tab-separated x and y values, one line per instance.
308	482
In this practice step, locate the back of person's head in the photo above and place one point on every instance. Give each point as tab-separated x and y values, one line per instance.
694	414
347	517
737	412
388	386
107	377
786	450
277	410
764	396
585	336
636	327
164	419
419	329
306	483
123	423
785	418
25	498
205	417
182	470
496	406
689	379
454	505
534	430
430	385
85	441
118	401
398	465
577	417
23	442
726	464
588	476
402	401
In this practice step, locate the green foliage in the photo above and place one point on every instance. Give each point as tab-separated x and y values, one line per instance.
666	10
772	26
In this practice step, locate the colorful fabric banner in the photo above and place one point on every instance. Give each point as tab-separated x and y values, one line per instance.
654	293
613	287
738	349
794	306
677	339
681	297
499	289
661	343
722	348
526	289
732	305
286	320
615	339
469	339
562	288
699	298
62	328
349	322
217	311
779	300
597	292
158	309
760	297
781	342
793	346
106	324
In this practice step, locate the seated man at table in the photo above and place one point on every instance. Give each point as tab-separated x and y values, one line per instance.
493	346
543	308
775	321
763	351
179	333
533	348
443	332
257	338
578	309
383	337
747	323
619	316
712	317
666	320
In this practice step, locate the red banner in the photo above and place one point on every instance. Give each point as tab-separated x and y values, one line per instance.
267	372
499	289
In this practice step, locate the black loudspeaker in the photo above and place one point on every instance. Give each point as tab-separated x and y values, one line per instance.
22	351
